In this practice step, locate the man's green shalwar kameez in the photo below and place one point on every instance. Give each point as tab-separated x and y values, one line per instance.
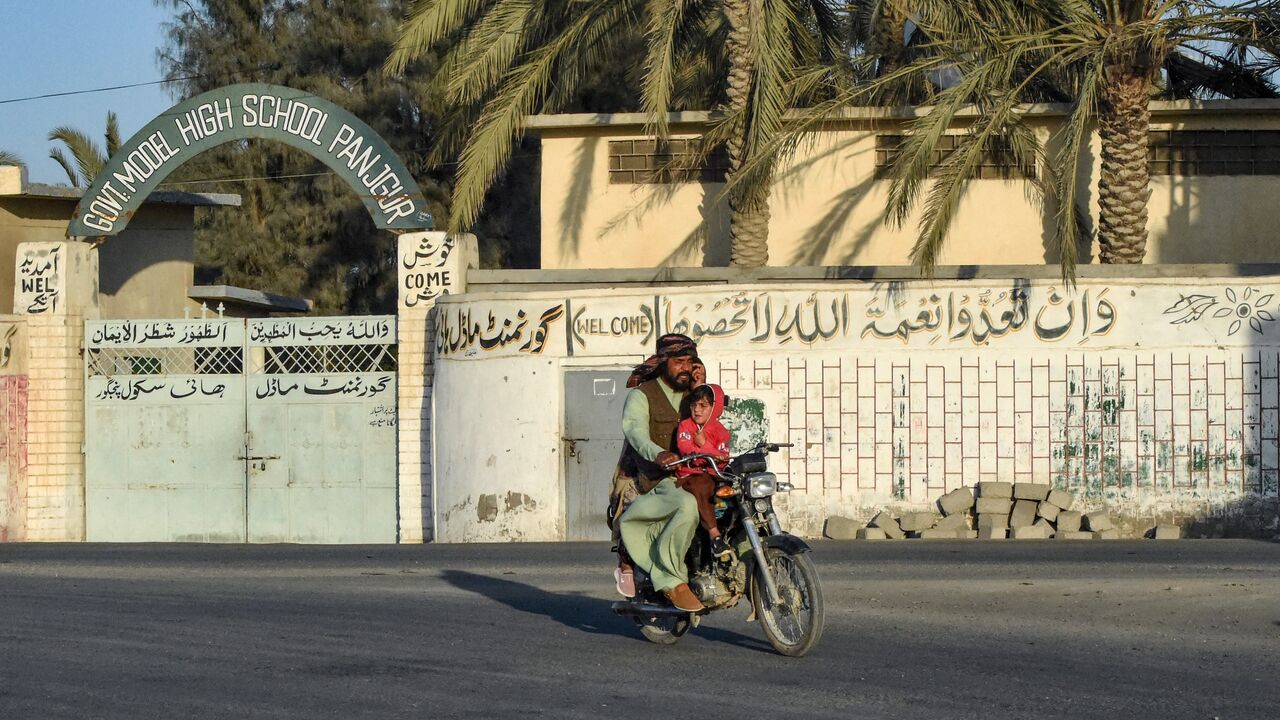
659	525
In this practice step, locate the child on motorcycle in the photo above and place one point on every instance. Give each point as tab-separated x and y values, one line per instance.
702	432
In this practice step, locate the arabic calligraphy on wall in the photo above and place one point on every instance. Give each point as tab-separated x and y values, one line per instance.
986	315
460	331
163	333
884	315
290	387
322	331
425	270
382	416
147	388
40	279
299	386
8	332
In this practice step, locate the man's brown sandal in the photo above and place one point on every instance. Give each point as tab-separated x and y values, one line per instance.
684	599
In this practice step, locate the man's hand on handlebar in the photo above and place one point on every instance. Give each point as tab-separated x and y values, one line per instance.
666	458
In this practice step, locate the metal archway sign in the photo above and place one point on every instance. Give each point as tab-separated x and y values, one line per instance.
299	119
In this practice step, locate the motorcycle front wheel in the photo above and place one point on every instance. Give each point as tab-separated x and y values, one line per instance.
664	630
794	624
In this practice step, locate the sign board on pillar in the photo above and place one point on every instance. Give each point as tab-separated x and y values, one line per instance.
55	278
432	264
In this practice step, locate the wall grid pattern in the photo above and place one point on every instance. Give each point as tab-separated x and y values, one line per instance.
1098	425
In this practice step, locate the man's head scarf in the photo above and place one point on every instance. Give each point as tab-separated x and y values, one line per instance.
669	346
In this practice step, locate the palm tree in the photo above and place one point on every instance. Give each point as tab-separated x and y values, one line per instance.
751	60
8	158
1110	57
88	158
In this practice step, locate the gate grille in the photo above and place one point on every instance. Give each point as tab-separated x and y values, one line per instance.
312	359
110	361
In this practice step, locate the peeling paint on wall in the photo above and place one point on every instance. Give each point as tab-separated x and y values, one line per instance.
487	508
13	457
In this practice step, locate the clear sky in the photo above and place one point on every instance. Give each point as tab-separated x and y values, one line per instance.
53	46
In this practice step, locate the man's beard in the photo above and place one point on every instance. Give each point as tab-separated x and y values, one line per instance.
680	382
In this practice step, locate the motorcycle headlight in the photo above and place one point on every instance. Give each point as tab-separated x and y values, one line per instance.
761	485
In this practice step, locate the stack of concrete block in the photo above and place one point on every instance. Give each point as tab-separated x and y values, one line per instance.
1022	511
993	508
887	524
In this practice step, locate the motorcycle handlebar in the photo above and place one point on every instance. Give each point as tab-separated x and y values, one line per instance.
690	458
718	460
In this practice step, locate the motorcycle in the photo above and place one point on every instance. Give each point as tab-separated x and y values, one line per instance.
769	566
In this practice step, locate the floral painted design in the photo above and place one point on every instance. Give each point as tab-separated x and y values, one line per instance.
1248	306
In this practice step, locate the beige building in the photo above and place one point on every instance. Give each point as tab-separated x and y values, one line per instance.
1215	175
145	271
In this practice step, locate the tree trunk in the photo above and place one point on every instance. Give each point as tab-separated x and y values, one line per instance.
748	207
887	37
1124	186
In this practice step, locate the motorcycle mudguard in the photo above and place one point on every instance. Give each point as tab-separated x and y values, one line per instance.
787	543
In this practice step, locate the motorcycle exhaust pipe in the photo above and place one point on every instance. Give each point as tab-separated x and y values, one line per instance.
643	609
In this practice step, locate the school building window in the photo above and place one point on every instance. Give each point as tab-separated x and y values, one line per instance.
639	162
1182	153
996	165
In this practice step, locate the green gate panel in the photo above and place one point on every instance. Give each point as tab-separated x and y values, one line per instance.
326	474
278	430
321	399
164	432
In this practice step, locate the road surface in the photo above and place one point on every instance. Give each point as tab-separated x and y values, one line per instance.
915	629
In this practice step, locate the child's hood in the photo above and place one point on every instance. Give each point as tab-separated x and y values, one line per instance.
717	406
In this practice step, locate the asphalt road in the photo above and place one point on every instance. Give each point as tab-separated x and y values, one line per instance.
915	629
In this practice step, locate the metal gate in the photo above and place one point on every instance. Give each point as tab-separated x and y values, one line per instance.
232	430
593	439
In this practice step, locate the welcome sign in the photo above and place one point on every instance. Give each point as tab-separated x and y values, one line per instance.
307	122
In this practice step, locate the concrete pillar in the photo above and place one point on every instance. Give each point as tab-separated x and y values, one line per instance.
56	288
430	264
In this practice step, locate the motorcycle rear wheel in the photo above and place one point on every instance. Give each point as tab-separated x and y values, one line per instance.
665	630
794	625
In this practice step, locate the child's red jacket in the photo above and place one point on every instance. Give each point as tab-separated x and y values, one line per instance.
716	435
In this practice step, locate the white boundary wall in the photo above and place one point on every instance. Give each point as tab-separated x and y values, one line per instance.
1157	398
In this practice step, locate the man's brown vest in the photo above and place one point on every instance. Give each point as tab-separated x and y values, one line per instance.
663	421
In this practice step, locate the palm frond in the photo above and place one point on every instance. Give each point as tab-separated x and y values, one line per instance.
68	167
665	21
428	22
1070	219
489	49
1220	76
88	158
502	121
8	158
112	135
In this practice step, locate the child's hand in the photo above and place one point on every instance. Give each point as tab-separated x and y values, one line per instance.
700	438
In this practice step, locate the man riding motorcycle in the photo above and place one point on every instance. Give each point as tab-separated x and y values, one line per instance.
659	525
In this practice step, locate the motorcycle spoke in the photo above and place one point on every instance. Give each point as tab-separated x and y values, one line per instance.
790	616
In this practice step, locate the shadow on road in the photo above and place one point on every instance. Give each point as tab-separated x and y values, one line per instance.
580	612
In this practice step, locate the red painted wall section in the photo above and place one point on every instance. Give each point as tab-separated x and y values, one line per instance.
13	457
